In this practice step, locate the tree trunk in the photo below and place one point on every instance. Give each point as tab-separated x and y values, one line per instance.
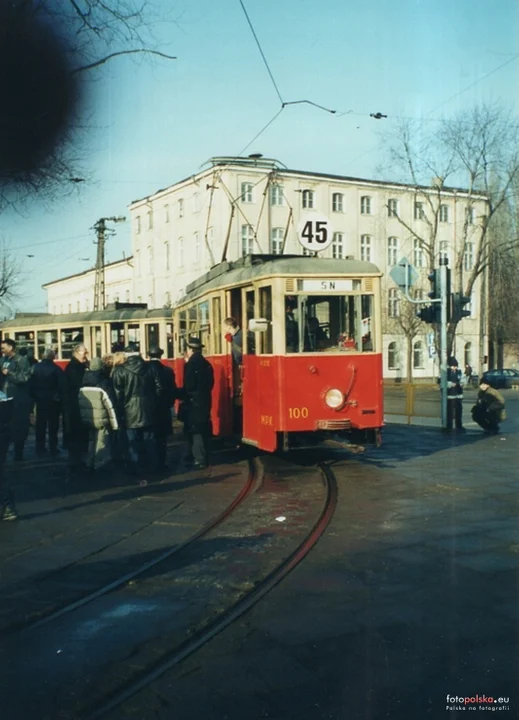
409	360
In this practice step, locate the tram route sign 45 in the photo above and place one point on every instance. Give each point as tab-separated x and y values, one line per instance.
315	232
398	273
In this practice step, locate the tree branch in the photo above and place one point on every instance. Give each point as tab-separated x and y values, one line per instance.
105	59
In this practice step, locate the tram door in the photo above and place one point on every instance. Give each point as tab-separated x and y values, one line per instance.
236	307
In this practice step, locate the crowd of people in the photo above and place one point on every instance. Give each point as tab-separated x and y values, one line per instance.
116	410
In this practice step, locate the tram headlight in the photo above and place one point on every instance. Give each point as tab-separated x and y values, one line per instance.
334	398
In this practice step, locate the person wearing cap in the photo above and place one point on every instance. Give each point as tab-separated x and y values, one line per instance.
455	382
137	391
195	412
96	407
163	426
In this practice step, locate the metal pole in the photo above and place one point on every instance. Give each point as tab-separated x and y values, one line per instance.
443	342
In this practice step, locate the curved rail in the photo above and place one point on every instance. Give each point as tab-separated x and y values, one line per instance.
194	643
127	577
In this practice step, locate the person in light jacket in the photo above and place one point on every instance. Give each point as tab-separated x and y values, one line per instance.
96	407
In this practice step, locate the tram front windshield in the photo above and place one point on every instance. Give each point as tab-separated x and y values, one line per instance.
329	323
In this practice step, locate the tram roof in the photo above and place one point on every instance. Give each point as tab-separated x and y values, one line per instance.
253	267
27	320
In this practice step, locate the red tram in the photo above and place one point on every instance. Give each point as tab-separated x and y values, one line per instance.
311	366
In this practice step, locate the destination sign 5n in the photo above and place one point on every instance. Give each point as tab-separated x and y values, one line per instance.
327	286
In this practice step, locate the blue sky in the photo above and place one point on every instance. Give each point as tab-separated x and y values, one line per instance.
154	123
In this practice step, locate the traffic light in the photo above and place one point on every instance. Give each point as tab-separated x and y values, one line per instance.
430	314
434	279
458	302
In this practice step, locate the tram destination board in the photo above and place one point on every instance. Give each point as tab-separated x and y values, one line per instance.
326	285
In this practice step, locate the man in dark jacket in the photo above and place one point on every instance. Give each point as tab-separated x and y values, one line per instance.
75	433
455	382
16	373
163	426
196	402
47	386
137	390
7	508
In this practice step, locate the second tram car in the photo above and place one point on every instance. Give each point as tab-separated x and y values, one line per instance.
102	332
310	362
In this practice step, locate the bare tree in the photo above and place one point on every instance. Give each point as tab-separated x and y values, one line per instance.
47	50
478	150
404	322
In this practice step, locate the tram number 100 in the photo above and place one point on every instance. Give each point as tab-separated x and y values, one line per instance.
297	413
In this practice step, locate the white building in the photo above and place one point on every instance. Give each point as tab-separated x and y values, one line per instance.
75	293
254	205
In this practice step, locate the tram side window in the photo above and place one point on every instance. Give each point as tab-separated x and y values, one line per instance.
182	332
169	340
117	337
192	321
203	320
69	338
265	302
25	339
46	339
134	336
152	336
329	323
217	322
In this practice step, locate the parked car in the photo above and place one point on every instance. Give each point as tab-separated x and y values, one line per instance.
501	378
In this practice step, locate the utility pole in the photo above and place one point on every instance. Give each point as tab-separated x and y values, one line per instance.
99	287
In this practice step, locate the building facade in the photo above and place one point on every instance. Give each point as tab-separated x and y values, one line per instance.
75	293
239	206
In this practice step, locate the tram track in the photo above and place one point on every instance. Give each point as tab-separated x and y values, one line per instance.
229	616
141	663
127	577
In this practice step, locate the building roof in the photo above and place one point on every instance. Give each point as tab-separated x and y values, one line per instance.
85	272
274	165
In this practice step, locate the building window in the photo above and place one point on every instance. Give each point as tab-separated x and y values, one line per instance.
392	251
392	207
70	307
365	248
181	208
196	203
78	306
392	356
338	202
468	256
338	245
470	216
247	239
393	303
150	219
150	301
276	195
87	305
276	241
246	192
418	254
138	225
308	199
418	211
418	355
196	239
181	252
444	213
166	213
126	296
210	238
365	205
150	260
167	299
417	294
166	250
444	249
